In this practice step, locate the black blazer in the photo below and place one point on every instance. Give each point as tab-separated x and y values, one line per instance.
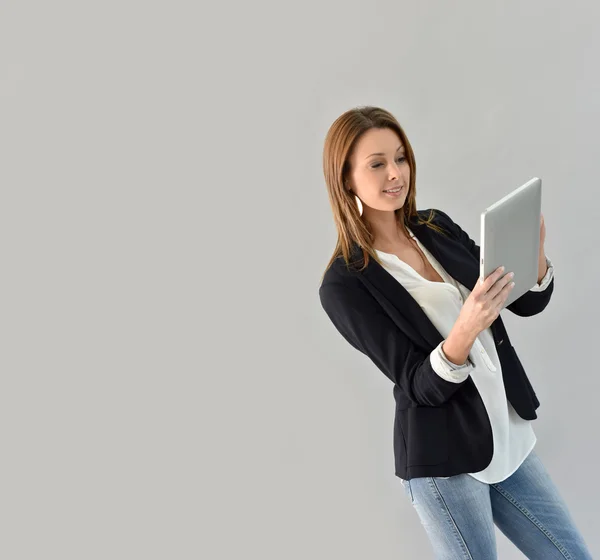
440	428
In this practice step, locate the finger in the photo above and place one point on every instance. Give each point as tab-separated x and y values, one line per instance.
502	293
501	284
493	277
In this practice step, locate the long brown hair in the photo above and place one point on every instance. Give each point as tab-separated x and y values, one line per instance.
339	143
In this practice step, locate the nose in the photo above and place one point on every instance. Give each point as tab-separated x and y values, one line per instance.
394	172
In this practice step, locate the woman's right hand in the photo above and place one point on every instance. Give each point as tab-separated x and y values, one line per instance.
485	302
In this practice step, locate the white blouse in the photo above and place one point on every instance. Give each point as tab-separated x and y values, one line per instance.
513	436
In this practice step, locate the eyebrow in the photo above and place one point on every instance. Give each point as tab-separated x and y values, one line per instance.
382	154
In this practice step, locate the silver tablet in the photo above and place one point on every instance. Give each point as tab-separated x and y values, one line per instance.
510	237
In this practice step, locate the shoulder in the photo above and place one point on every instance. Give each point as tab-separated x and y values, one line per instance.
344	281
340	274
437	216
442	220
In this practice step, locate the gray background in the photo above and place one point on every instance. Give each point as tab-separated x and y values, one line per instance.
171	387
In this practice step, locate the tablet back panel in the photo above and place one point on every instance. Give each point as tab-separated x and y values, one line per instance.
510	237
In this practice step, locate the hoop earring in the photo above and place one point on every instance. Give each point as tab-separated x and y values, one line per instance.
359	204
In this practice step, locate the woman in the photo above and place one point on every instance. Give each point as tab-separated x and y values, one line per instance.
402	288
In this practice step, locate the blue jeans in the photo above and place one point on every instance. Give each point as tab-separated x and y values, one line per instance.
459	512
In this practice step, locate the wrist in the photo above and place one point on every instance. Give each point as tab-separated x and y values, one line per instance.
456	350
542	266
542	253
462	331
458	343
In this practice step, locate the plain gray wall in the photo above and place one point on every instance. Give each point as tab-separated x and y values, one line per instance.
171	387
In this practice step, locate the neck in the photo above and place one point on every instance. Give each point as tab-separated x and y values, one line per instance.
388	232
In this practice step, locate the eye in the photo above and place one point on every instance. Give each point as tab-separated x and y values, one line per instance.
379	165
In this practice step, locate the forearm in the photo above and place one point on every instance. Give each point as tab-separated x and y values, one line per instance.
458	344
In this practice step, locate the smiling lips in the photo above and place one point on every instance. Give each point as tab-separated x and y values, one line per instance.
393	191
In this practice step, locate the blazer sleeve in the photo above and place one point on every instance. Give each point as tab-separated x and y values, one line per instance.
364	324
531	302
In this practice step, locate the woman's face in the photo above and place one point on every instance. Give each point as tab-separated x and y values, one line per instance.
378	164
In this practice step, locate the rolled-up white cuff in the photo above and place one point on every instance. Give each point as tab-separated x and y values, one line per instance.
448	370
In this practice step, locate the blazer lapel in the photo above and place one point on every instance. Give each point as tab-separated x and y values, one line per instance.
451	254
404	310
